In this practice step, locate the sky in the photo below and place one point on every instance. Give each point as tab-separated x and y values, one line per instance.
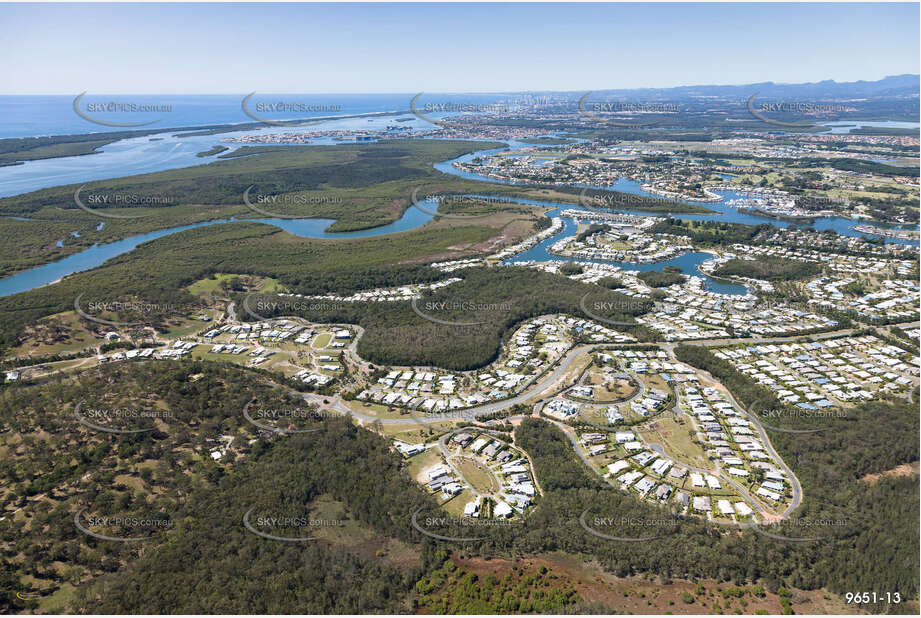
402	48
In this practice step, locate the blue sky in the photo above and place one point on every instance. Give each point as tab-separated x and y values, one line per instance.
363	48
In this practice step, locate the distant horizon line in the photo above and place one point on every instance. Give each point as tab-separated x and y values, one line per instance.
465	92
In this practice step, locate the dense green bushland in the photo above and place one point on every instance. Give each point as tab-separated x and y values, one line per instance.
656	279
158	271
209	562
709	232
213	564
769	269
468	319
54	464
869	533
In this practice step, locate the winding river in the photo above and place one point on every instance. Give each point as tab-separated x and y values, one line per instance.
98	254
142	155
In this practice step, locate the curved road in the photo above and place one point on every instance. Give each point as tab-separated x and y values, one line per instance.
550	382
765	440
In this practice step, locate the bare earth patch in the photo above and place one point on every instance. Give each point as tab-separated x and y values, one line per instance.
638	595
902	470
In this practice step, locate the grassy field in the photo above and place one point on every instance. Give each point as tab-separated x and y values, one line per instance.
202	353
479	476
672	434
597	415
609	390
381	411
654	381
455	505
58	601
411	430
66	366
417	464
414	433
184	327
567	379
344	530
322	340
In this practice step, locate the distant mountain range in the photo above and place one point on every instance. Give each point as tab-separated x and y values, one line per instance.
893	86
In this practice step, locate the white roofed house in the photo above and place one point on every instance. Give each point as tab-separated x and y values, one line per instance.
725	507
463	439
502	509
479	444
629	478
597	449
661	466
643	458
701	503
526	489
645	485
743	509
773	486
773	475
677	472
451	489
408	449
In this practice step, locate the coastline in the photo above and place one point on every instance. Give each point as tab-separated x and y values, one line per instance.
12	147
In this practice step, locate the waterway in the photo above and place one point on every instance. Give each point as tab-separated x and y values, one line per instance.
845	126
98	254
161	152
687	262
141	155
722	211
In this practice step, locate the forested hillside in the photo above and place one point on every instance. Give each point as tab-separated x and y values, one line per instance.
208	561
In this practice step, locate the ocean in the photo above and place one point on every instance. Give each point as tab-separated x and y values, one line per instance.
42	115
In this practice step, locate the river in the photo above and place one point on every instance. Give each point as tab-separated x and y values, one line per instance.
140	155
98	254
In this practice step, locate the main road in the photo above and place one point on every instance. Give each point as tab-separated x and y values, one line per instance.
552	383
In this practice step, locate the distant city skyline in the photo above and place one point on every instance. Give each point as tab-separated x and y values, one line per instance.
462	48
